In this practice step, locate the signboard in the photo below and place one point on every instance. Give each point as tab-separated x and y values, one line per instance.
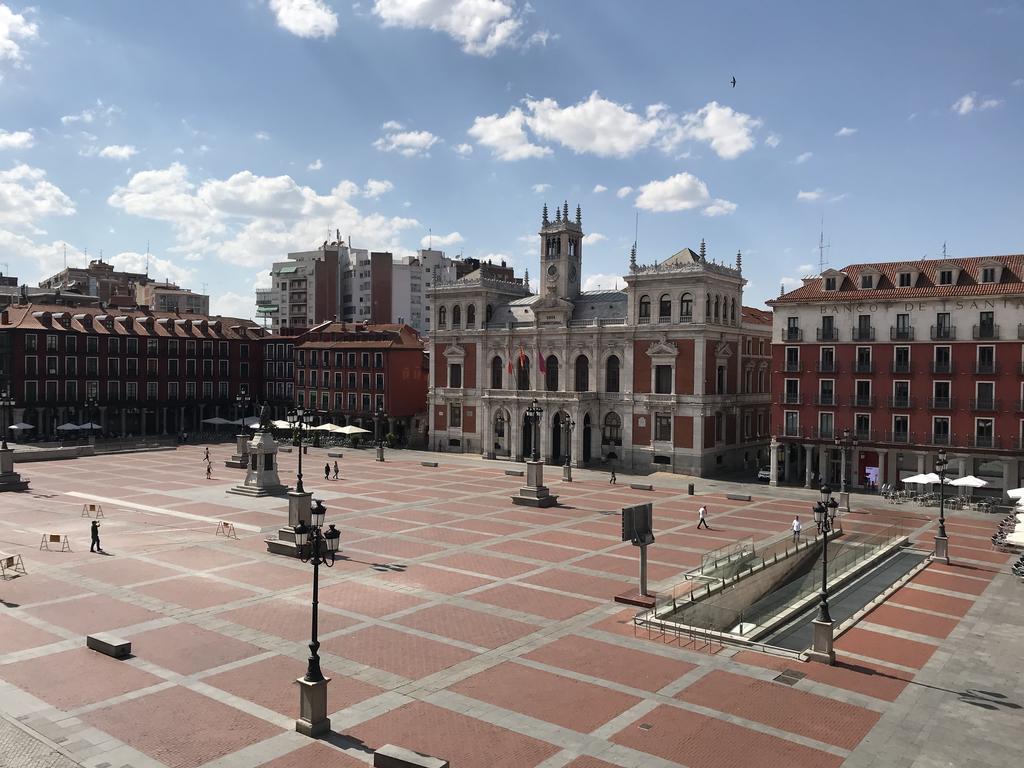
638	524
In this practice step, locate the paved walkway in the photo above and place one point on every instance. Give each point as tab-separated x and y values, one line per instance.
456	624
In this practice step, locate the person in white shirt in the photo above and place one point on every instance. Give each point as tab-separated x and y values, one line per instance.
797	527
702	512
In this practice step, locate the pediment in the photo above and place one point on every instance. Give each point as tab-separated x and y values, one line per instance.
723	349
454	350
662	348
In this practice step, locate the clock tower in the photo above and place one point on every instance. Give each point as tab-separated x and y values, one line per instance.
561	254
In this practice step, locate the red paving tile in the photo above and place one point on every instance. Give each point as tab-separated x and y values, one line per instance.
315	754
72	679
195	592
806	714
397	652
395	549
536	601
123	571
695	740
270	683
434	579
885	648
268	576
201	558
453	536
16	635
26	590
929	578
589	762
535	550
569	581
870	679
921	598
625	566
463	741
187	649
576	540
625	666
96	613
983	555
486	525
474	627
548	697
489	565
181	728
912	621
286	620
367	600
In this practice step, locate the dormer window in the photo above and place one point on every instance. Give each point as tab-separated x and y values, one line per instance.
867	282
988	274
830	283
905	279
946	277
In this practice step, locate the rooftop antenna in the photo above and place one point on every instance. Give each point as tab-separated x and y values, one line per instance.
147	258
204	289
65	255
944	249
822	247
636	229
430	239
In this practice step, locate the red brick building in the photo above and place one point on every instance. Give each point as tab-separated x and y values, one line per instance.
347	371
909	356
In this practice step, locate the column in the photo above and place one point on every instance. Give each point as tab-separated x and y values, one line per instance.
431	405
823	451
808	468
181	419
163	420
920	463
1008	474
785	462
855	479
883	469
773	462
142	422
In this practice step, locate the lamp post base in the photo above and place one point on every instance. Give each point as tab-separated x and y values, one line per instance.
313	720
821	645
567	473
941	549
380	453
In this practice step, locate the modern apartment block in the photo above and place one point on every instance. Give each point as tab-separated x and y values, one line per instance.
910	357
125	289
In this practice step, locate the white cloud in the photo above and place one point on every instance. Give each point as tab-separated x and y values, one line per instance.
261	136
541	38
463	149
231	304
101	112
837	198
806	269
601	282
681	192
965	104
814	194
374	188
593	238
118	152
505	136
540	189
1018	83
262	280
596	126
728	132
481	27
179	151
990	103
316	165
433	241
159	268
26	197
406	143
249	219
15	29
16	139
305	18
599	188
623	192
844	132
791	283
803	157
773	140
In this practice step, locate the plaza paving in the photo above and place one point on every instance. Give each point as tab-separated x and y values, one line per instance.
462	626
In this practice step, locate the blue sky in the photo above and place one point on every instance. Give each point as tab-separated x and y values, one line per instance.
228	133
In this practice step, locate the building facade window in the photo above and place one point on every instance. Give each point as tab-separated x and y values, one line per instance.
611	378
497	374
551	373
663	379
663	427
582	373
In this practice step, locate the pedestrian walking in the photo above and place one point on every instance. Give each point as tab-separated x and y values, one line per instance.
335	469
797	528
94	533
209	471
206	456
702	514
612	480
327	471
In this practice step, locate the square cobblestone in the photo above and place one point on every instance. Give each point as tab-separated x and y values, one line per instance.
290	621
475	627
550	605
367	600
194	592
97	613
187	649
397	652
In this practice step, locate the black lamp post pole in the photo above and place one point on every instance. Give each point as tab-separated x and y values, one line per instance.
6	403
534	411
569	424
378	418
824	515
940	466
297	418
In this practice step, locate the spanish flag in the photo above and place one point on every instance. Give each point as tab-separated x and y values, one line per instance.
523	360
540	361
510	365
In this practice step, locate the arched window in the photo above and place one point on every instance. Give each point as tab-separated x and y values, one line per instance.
686	308
645	309
720	380
707	308
442	317
457	315
551	373
582	373
471	316
523	373
732	312
488	314
611	374
612	432
717	300
496	373
665	308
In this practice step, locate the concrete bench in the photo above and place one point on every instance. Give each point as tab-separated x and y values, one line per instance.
428	463
514	472
641	487
335	455
109	644
390	756
738	496
284	450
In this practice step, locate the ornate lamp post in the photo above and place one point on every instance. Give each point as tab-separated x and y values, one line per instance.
534	412
6	404
941	539
378	418
824	517
299	419
844	444
319	548
242	400
569	425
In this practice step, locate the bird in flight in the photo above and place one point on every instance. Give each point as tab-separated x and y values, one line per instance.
734	82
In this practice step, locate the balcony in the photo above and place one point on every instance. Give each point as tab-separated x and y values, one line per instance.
984	404
664	319
825	399
827	334
899	437
1018	443
823	434
792	398
1020	330
863	333
937	438
864	435
863	366
792	334
829	366
686	318
1020	406
900	367
863	401
901	334
984	441
941	403
986	368
941	367
791	367
985	331
643	320
792	430
943	332
898	401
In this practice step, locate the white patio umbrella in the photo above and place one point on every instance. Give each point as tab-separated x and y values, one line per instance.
280	424
67	427
925	479
1013	493
352	429
216	420
969	481
327	428
90	425
21	425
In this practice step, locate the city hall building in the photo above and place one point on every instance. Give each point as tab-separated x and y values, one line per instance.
670	373
910	357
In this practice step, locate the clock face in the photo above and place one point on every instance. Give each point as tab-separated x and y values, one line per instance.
552	272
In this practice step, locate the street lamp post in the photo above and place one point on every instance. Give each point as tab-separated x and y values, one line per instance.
824	517
941	539
569	425
534	412
300	419
6	404
378	418
242	400
319	548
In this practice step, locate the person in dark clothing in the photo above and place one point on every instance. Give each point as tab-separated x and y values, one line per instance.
613	480
95	534
335	470
327	471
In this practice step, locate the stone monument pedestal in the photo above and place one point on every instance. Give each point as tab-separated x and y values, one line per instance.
9	479
821	644
941	549
240	458
299	505
313	720
535	493
261	476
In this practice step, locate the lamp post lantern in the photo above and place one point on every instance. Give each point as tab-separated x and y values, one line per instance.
941	539
534	412
242	400
569	425
319	547
844	444
300	419
6	404
378	418
824	517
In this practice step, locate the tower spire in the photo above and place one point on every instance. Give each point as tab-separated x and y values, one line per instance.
565	211
579	216
544	216
558	215
632	258
739	261
703	250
